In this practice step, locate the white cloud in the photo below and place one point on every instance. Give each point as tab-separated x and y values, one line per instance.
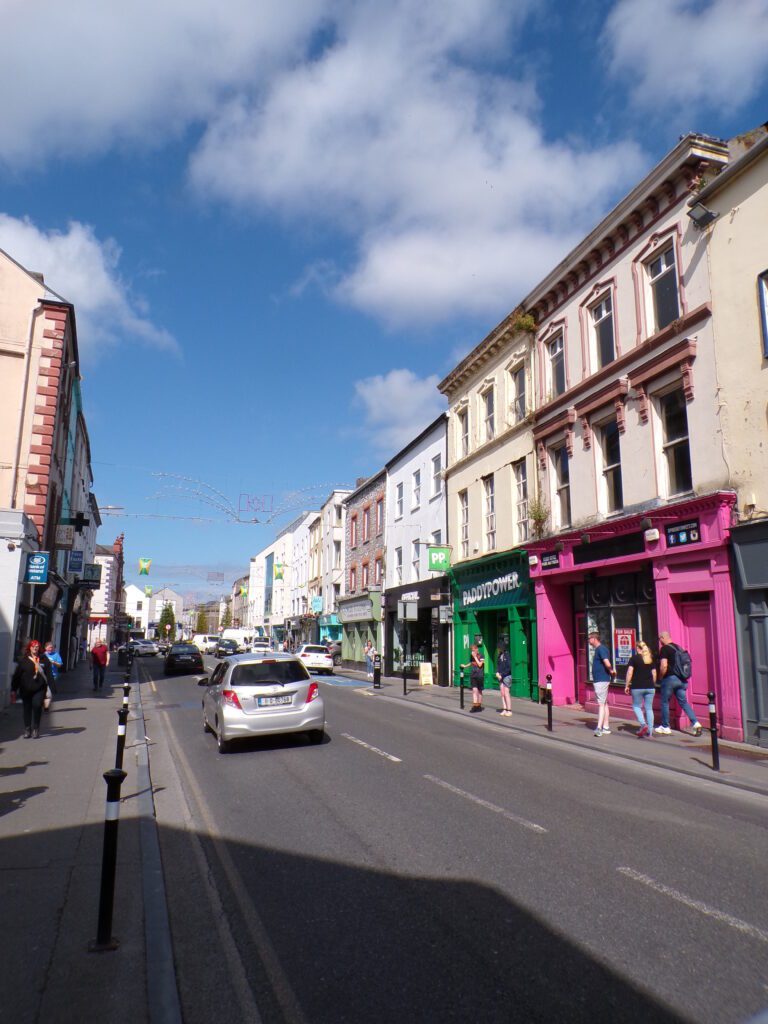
84	271
683	54
436	168
79	76
398	405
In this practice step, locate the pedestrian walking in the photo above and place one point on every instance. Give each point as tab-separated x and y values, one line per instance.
602	674
99	659
476	666
30	681
674	673
57	665
504	675
641	683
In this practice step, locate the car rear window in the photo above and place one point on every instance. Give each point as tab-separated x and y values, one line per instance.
312	649
268	671
184	649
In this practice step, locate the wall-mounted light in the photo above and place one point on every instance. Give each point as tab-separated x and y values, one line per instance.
646	524
701	215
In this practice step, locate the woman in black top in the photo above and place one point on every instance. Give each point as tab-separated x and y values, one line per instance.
641	681
30	679
476	665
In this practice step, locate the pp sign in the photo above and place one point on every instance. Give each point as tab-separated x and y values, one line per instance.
438	559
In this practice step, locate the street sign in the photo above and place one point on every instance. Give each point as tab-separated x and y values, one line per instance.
65	536
407	611
37	567
438	558
75	562
91	576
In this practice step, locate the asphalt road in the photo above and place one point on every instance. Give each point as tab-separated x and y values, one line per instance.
419	866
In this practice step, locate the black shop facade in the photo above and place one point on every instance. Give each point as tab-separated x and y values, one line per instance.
417	624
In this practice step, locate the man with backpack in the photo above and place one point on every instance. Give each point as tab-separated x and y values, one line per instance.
674	672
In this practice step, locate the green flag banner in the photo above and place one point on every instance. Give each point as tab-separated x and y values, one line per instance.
278	571
144	564
243	591
147	591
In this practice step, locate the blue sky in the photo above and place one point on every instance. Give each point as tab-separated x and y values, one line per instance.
281	224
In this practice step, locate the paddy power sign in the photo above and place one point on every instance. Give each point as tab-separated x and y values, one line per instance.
493	592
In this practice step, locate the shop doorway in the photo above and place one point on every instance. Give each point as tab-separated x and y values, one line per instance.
511	627
696	616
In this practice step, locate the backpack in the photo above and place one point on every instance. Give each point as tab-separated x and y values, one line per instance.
683	666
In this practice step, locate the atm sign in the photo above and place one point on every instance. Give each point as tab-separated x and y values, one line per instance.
438	558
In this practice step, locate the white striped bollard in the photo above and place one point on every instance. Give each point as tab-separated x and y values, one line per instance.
105	941
122	719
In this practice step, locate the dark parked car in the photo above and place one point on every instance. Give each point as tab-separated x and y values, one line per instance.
183	658
334	649
225	648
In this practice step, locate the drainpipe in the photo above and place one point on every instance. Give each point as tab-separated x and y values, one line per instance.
22	408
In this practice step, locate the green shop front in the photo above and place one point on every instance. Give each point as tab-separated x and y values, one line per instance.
360	618
492	607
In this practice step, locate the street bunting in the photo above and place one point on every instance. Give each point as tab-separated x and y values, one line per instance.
278	571
144	564
147	591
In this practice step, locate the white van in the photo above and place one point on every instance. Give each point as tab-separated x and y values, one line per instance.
205	642
242	637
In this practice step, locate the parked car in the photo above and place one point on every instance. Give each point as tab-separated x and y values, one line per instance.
225	648
261	695
334	649
242	637
183	658
205	642
316	657
143	648
163	646
261	643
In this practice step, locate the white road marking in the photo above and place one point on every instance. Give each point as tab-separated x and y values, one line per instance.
488	805
734	922
375	750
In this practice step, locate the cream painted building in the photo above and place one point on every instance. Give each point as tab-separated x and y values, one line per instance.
737	199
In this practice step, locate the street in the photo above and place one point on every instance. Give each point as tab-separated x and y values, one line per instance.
424	866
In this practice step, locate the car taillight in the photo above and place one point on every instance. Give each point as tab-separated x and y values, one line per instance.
231	698
314	691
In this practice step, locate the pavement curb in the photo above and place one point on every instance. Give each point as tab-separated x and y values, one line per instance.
162	992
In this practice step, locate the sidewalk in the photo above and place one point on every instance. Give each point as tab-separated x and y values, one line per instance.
52	804
741	765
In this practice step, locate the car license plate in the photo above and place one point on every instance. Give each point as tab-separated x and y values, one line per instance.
265	702
185	657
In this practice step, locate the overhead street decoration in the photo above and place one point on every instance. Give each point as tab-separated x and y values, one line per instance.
144	564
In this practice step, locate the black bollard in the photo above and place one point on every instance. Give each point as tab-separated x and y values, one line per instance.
461	688
126	691
405	684
104	941
549	703
377	672
122	718
713	731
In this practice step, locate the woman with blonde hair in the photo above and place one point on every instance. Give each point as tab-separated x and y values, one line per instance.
641	682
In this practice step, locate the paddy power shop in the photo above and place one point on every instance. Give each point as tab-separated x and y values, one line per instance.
492	606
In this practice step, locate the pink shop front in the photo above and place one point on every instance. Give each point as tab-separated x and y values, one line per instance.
629	579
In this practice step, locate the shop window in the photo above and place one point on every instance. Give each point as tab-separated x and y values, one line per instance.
602	326
556	367
625	602
462	431
610	451
675	444
489	413
463	497
520	472
489	512
517	387
398	565
662	275
437	476
562	486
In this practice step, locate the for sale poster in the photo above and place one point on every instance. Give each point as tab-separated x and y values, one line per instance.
623	645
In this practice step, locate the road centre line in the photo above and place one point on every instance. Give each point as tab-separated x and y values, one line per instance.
375	750
488	805
718	915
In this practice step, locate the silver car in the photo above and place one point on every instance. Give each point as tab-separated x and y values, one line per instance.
261	695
